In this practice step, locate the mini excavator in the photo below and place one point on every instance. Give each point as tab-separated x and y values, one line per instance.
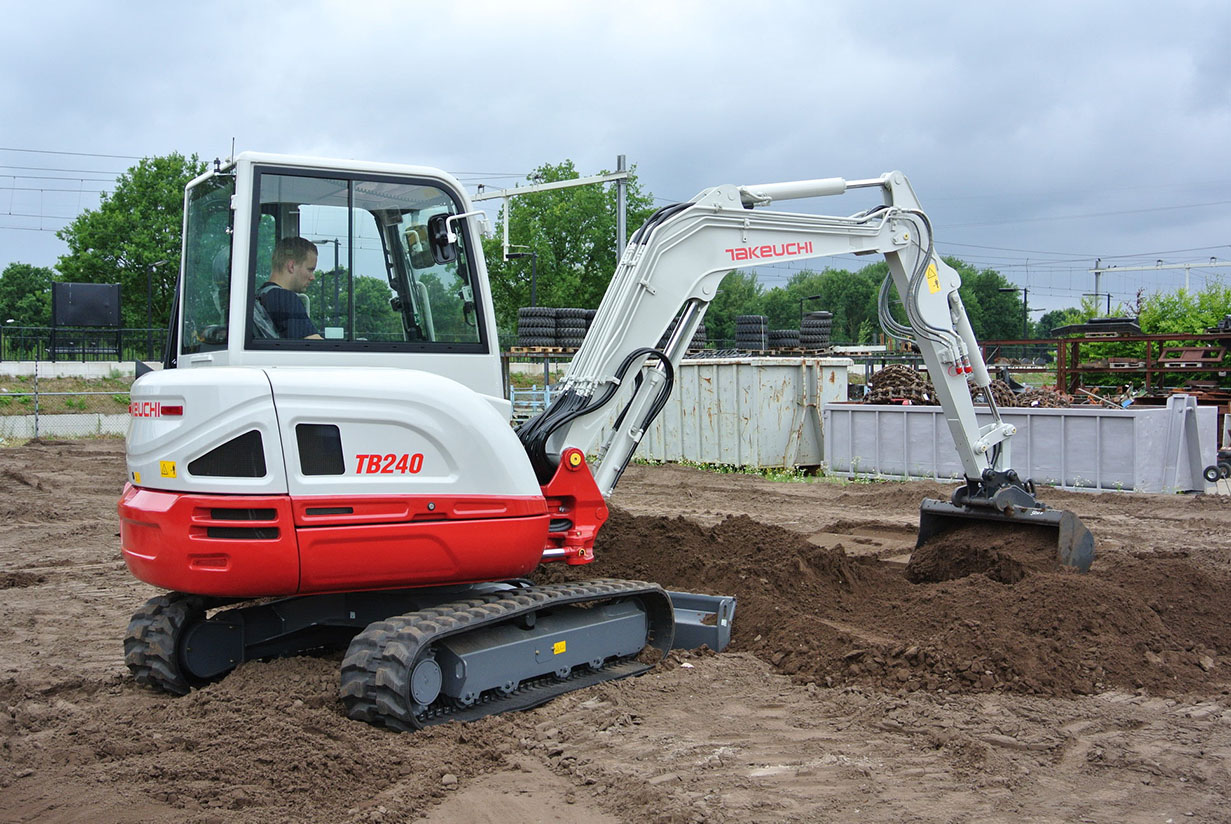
363	489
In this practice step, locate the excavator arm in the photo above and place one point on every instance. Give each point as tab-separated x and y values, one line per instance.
672	268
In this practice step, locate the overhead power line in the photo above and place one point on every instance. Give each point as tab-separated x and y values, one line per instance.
74	154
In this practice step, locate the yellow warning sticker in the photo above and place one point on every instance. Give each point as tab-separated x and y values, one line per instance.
558	647
167	468
933	279
137	478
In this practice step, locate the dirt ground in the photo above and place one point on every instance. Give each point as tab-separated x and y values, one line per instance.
858	687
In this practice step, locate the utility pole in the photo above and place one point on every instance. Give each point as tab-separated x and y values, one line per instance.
621	208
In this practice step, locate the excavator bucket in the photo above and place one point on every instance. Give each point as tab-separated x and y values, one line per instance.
1074	543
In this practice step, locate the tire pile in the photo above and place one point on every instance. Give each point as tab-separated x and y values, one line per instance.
783	338
751	333
699	337
552	327
896	383
815	329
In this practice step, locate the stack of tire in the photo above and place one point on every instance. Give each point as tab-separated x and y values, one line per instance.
536	327
814	330
571	326
784	338
751	333
699	337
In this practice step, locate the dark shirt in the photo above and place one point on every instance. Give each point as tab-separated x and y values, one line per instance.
287	312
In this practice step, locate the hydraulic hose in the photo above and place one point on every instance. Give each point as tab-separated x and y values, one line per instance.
570	405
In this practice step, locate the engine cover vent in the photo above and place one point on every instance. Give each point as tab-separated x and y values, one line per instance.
241	457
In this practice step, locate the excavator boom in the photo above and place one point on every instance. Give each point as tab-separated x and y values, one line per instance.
671	269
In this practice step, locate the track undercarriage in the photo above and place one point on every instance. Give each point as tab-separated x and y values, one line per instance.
422	657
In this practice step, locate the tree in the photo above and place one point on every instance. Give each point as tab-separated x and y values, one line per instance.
25	295
1183	312
1057	318
133	237
738	294
573	233
994	314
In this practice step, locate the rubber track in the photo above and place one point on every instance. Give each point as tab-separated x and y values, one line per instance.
375	678
151	644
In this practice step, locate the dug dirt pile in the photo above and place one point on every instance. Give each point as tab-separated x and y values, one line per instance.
988	610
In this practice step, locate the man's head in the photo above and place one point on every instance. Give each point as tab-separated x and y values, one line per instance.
294	263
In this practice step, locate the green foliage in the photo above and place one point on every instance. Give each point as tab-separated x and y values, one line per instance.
1057	318
852	298
1184	312
994	315
25	295
1180	313
791	474
329	305
738	294
134	235
573	232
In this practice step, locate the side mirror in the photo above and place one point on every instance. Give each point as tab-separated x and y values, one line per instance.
418	245
444	249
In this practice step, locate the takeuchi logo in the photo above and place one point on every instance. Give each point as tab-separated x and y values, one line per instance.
770	251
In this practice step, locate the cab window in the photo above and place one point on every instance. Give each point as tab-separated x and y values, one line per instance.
386	276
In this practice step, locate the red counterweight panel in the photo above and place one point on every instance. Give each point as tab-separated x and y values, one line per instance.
421	553
230	545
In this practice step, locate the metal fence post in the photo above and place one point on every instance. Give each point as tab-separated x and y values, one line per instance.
36	399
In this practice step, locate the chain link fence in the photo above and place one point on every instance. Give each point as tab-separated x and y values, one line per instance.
28	412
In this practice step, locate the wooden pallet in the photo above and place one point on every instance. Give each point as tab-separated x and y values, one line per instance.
1193	356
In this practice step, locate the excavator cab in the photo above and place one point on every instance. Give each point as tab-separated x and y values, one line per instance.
399	278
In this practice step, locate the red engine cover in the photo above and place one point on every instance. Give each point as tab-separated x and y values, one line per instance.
266	545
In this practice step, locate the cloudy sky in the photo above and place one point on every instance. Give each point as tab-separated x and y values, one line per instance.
1040	136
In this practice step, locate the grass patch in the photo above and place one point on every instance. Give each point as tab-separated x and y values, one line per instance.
773	473
107	396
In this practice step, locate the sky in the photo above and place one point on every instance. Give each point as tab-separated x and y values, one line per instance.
1040	137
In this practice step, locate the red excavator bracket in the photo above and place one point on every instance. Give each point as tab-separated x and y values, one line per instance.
573	497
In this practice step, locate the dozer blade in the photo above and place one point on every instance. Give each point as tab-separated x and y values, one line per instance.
1074	543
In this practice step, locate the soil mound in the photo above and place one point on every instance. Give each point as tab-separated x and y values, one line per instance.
1026	627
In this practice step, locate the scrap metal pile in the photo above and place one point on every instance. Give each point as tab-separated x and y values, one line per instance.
898	383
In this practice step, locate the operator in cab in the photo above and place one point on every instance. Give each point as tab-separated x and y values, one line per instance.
293	270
